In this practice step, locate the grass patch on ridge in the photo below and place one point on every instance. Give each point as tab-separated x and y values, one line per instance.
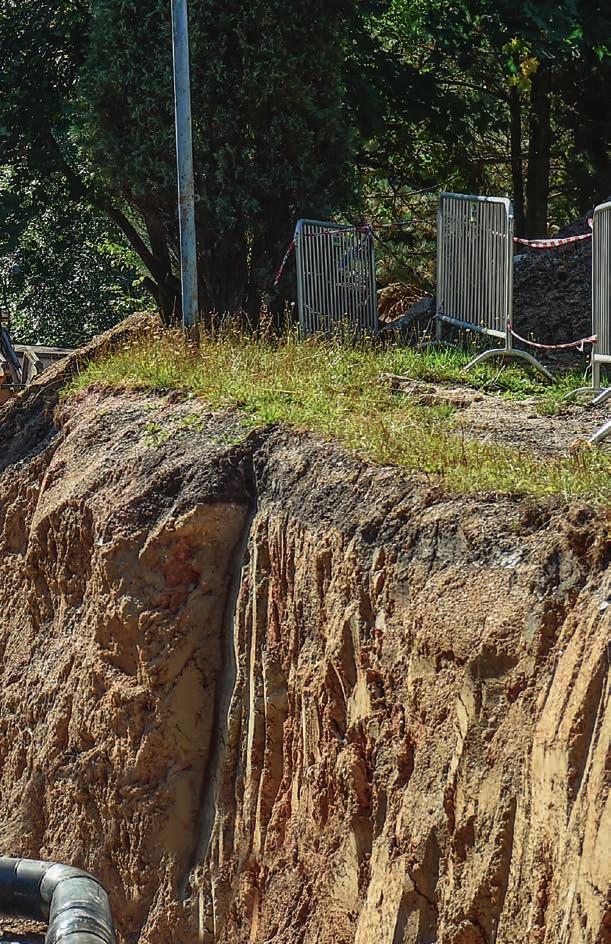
336	389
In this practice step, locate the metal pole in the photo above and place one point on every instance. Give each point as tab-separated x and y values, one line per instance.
184	160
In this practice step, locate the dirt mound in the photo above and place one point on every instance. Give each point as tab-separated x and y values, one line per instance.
515	423
395	300
267	692
552	290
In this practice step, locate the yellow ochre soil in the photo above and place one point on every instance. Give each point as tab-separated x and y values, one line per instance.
270	693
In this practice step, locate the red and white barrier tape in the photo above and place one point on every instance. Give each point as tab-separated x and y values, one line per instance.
553	243
368	228
365	228
554	347
283	264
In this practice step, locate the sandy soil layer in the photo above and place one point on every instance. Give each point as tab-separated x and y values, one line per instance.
269	692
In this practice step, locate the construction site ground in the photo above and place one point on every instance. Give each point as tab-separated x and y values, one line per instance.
519	424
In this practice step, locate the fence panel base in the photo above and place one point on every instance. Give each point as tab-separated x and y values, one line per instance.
601	434
511	352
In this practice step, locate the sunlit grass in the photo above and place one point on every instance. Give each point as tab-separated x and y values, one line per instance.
338	390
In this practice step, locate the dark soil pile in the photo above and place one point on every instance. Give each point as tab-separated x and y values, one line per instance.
552	290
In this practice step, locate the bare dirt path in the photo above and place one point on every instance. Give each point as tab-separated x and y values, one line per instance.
518	424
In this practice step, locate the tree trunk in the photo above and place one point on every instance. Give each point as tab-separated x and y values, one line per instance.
166	291
271	234
539	147
517	170
164	286
258	263
224	274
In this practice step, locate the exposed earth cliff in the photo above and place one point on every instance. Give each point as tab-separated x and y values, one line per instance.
269	693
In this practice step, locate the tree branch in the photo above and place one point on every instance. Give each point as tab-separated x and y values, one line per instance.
157	268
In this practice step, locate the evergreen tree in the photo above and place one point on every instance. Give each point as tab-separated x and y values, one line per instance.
273	136
87	94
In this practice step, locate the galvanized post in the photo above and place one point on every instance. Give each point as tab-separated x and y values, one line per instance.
184	160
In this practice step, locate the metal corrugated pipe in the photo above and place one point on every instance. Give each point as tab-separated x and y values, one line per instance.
71	901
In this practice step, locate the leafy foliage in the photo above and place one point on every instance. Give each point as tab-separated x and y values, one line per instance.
381	98
63	275
476	70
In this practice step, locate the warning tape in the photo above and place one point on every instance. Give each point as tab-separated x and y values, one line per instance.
368	229
365	228
554	347
283	264
553	243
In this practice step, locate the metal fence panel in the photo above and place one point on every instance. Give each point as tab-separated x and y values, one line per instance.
336	278
601	289
475	262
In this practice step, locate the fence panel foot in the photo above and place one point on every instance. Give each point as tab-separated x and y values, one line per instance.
510	352
601	434
602	397
578	392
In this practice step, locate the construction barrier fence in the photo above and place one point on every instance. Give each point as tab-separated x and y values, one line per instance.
475	263
336	278
475	270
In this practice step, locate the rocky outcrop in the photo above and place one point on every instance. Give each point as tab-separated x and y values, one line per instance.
269	693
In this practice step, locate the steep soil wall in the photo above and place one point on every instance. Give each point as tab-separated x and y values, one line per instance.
271	694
